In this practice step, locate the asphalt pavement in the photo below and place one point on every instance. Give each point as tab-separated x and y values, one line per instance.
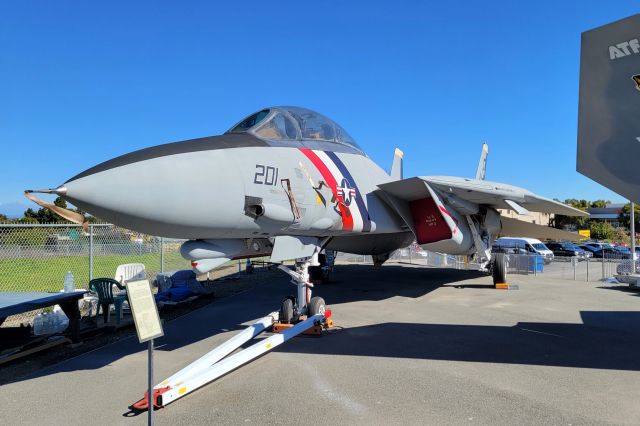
412	345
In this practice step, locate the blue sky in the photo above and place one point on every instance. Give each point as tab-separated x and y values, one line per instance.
81	82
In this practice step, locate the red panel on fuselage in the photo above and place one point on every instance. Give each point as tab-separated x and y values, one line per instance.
429	224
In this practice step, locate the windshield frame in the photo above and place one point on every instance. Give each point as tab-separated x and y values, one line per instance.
295	115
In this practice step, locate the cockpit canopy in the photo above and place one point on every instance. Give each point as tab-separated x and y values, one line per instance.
293	123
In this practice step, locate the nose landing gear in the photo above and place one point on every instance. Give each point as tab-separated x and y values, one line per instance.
296	309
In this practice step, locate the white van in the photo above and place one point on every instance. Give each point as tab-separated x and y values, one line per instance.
528	245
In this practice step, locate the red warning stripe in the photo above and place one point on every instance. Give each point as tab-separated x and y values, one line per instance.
347	219
445	211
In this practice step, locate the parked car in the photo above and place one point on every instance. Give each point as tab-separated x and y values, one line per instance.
525	245
593	246
605	252
566	249
624	250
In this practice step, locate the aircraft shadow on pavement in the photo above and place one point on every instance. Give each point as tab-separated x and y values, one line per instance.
623	288
605	340
350	283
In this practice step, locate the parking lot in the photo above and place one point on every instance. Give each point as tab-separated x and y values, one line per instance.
412	345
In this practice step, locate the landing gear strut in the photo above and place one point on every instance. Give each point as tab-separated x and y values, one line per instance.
303	304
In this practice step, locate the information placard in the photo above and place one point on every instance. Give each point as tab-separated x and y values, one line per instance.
144	310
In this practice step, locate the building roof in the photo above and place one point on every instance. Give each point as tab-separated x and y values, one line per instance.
611	211
604	216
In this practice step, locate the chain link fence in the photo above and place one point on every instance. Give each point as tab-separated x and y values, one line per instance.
569	268
36	257
414	255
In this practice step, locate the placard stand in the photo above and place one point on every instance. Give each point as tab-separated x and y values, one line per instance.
148	327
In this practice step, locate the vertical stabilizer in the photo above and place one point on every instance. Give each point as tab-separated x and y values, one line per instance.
396	167
482	165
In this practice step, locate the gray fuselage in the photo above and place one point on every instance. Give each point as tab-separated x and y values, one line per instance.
238	186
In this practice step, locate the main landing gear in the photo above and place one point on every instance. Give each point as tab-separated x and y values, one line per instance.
499	270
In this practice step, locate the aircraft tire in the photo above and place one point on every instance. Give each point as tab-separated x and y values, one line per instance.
316	306
286	311
499	269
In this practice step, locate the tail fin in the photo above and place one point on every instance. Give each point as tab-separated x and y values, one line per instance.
482	165
396	167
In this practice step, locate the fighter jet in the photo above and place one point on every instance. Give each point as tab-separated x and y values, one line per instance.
289	183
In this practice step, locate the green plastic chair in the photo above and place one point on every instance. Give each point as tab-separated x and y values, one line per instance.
103	287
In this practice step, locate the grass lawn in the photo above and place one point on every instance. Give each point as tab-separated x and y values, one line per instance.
47	274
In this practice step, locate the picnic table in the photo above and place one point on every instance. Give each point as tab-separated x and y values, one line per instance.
14	303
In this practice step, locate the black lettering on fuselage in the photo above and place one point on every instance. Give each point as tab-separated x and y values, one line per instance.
266	175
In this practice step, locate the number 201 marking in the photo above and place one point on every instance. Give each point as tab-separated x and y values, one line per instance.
266	175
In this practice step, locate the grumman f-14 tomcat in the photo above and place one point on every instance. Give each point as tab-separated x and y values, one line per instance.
289	183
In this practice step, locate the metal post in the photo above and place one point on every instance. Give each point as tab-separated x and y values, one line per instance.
574	262
603	253
150	387
587	269
633	238
90	252
161	254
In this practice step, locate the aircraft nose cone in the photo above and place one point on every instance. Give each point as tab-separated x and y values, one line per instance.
173	191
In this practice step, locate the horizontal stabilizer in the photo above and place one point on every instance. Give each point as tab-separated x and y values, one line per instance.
456	190
517	228
494	194
517	207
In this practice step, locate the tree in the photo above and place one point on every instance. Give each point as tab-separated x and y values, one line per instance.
561	221
28	220
30	214
600	204
602	231
625	216
621	236
3	218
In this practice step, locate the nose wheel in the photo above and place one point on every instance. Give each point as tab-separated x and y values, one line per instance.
286	310
316	306
296	309
289	313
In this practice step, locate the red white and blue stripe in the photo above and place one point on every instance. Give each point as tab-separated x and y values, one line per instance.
335	174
